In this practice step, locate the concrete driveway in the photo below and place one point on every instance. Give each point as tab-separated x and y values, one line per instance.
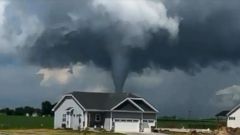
146	134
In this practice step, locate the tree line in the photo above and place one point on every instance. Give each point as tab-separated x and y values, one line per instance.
46	110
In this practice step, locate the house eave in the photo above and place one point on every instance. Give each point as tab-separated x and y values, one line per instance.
145	101
233	110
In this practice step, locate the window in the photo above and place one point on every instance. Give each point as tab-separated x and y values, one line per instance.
135	120
126	120
145	121
97	117
150	121
231	118
123	120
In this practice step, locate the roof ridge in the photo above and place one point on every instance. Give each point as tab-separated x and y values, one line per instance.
89	92
127	93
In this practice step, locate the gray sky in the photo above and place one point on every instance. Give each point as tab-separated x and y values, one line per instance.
180	55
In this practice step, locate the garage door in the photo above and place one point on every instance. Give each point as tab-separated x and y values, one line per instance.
126	125
147	124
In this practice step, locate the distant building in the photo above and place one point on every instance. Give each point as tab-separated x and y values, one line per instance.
119	112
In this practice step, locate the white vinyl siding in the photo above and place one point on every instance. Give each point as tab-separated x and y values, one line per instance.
148	124
234	119
60	115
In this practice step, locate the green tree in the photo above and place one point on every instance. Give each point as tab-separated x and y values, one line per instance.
20	111
47	108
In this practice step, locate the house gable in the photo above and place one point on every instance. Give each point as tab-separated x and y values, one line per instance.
67	114
61	101
143	105
127	106
135	104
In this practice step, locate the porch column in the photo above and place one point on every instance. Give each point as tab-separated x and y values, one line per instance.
141	123
85	119
111	120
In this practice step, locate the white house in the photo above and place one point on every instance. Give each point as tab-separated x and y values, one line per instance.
233	117
119	112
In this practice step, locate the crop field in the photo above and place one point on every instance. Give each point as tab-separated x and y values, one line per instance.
23	122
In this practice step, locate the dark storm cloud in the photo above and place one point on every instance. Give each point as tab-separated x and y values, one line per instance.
99	31
53	49
208	34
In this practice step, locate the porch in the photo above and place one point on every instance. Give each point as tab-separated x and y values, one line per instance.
98	120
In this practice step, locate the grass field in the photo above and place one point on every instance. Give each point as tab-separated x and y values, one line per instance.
202	124
22	122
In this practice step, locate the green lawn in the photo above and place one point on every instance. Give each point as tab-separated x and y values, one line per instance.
23	122
203	124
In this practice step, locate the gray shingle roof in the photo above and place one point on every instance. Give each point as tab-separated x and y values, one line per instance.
222	113
101	101
143	105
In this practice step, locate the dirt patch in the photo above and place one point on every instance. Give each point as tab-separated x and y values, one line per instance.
220	131
227	131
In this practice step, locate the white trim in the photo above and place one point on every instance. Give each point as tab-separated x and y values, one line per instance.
78	103
127	99
111	121
145	101
119	104
233	110
136	105
54	108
